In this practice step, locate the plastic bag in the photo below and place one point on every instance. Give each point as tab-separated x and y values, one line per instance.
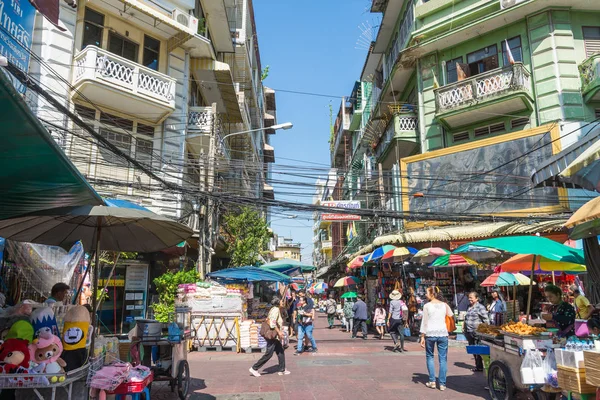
550	369
532	371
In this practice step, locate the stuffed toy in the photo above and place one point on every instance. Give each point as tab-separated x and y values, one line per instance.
45	353
43	320
14	356
21	329
76	330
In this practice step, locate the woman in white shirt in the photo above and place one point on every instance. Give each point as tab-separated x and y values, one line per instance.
273	345
434	331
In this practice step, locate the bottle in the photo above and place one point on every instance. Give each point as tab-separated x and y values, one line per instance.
578	345
569	345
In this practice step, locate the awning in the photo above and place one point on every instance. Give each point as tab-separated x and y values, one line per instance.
36	174
217	22
463	232
268	192
217	79
249	274
550	172
269	153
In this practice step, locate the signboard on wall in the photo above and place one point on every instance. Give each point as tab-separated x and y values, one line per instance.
348	204
491	178
16	29
136	277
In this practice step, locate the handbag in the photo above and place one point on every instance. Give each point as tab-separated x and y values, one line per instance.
406	332
450	323
267	332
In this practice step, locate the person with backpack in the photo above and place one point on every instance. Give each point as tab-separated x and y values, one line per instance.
397	321
306	316
330	308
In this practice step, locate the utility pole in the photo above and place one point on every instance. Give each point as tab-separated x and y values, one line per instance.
382	195
211	210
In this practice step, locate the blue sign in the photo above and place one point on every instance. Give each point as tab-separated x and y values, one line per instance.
17	18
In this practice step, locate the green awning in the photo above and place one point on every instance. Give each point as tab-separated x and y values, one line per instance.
35	173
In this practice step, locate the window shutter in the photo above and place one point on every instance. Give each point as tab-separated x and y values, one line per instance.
592	46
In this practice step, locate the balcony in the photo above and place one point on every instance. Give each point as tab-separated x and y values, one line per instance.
113	81
199	128
590	78
497	92
401	134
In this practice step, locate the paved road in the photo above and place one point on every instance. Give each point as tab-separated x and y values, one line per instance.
342	369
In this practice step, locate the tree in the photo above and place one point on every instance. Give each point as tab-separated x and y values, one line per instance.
166	286
247	236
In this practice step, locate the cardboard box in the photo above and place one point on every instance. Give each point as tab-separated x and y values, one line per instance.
574	380
592	367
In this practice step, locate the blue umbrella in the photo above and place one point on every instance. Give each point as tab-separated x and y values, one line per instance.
249	274
378	253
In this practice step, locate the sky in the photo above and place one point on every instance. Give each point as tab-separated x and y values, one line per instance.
309	46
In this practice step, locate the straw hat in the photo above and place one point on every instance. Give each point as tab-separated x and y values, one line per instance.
395	295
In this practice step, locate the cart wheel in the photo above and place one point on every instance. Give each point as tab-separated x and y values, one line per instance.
183	379
500	381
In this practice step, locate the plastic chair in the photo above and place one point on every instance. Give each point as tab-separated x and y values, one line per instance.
135	396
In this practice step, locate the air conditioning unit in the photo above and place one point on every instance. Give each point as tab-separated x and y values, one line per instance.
510	3
238	36
185	19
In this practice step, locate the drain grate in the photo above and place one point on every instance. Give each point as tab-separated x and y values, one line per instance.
333	362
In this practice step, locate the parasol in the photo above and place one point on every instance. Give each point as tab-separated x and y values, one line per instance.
429	255
398	255
346	281
249	274
585	222
357	262
453	260
378	253
477	253
348	295
319	288
288	263
504	279
535	246
522	262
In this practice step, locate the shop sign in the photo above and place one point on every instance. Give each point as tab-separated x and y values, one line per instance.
111	282
136	277
16	28
347	204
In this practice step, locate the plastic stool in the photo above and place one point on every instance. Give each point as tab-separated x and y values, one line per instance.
134	396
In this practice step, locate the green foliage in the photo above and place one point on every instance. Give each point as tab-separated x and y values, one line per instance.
102	295
248	236
202	27
166	286
265	73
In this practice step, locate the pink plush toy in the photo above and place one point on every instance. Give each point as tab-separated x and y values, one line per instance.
45	352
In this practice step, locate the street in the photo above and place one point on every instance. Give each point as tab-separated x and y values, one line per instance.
342	369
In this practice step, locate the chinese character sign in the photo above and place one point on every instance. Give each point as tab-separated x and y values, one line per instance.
17	18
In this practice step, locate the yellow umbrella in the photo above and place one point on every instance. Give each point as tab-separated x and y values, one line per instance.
522	262
585	222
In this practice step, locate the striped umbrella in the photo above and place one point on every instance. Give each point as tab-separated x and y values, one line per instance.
319	287
357	262
506	279
452	260
428	255
378	253
346	281
400	254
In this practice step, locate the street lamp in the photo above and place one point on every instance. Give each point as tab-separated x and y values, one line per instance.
287	217
285	126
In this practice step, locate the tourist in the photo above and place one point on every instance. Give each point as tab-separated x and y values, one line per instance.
292	329
396	321
476	315
360	317
379	319
349	314
330	307
273	345
306	316
497	308
562	314
57	294
582	304
434	332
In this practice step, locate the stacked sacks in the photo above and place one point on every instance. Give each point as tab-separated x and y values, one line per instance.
77	329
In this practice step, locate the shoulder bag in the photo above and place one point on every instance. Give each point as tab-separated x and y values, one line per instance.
450	323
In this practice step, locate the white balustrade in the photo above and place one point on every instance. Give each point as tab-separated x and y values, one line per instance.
200	119
481	87
95	64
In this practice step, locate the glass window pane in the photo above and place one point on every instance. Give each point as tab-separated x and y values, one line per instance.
451	72
122	47
121	141
515	50
143	151
115	44
93	17
591	32
151	43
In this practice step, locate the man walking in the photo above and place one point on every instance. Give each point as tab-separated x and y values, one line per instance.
306	316
330	307
360	317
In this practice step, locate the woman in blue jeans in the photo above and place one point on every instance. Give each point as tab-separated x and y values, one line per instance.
434	331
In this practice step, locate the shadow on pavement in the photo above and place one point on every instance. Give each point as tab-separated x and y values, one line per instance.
461	384
463	365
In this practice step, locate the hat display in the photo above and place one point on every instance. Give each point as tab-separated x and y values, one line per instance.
395	295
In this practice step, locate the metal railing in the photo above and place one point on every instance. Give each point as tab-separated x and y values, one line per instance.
407	122
482	87
200	120
95	64
590	72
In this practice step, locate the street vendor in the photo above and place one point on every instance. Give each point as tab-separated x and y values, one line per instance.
57	294
582	304
562	314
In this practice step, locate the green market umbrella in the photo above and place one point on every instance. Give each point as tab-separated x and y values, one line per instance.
288	263
538	247
348	295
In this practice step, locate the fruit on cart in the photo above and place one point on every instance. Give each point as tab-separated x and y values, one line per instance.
488	329
522	329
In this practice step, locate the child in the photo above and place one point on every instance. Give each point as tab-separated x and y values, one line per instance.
379	319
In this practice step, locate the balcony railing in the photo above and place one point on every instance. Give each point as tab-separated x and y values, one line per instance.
200	120
482	87
590	78
406	122
93	63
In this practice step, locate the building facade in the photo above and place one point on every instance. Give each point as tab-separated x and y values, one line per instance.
287	248
459	102
174	84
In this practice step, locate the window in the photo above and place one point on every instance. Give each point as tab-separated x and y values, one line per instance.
93	26
85	112
488	130
122	141
515	49
483	60
147	130
519	122
591	40
117	122
151	52
122	47
459	137
451	70
143	151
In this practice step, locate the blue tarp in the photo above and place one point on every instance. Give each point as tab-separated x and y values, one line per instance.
123	204
249	274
